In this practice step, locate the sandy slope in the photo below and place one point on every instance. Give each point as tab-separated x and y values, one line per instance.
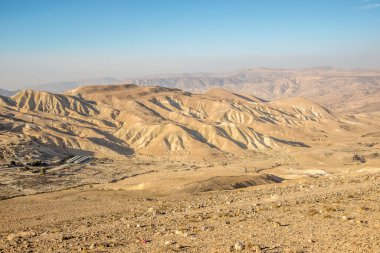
116	120
331	214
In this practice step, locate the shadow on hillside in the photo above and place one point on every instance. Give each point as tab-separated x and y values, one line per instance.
224	134
274	178
118	148
79	152
154	101
196	135
292	143
153	112
108	137
248	99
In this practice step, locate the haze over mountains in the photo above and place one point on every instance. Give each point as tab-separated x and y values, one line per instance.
337	89
340	90
4	92
61	87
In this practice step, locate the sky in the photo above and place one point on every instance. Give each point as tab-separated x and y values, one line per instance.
43	41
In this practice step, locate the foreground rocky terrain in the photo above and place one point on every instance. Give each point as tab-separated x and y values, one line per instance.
327	214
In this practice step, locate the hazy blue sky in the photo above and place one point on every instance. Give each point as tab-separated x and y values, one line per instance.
59	40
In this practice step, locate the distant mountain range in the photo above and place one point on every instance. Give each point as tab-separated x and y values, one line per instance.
7	93
61	87
341	90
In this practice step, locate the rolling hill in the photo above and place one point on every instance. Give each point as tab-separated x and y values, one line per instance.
119	120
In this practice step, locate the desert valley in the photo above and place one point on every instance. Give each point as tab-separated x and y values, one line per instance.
199	126
262	160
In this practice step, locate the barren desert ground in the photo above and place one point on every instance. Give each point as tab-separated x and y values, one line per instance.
125	168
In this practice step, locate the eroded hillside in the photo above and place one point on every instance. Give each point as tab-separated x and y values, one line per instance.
128	130
127	119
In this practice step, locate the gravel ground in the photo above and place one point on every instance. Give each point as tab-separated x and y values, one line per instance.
327	214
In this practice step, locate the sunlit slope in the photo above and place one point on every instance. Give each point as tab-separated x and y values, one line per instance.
157	121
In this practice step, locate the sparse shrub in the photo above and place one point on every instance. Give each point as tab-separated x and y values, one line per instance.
358	158
26	168
42	171
364	208
330	209
36	163
312	212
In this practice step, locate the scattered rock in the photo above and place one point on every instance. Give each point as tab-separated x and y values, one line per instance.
167	243
239	246
256	249
24	234
93	245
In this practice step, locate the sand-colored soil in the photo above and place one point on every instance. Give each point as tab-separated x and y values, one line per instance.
329	214
174	171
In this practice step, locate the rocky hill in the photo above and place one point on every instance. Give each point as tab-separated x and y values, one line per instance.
157	121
